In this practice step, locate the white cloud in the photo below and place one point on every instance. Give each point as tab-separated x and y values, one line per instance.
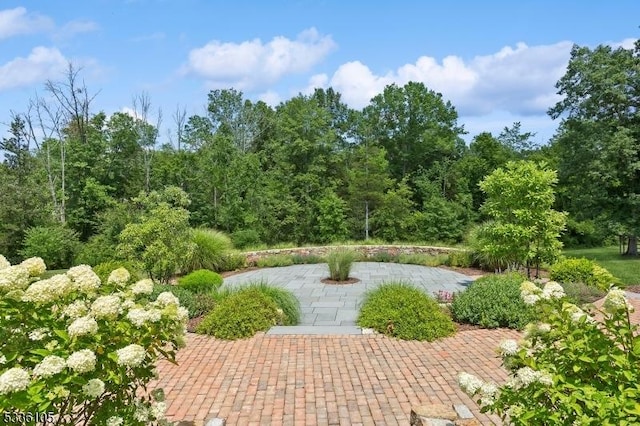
520	80
253	64
41	64
270	98
72	28
18	21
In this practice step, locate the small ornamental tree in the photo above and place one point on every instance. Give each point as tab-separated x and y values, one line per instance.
81	350
570	369
524	230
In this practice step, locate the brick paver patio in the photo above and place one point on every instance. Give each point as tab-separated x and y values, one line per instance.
325	380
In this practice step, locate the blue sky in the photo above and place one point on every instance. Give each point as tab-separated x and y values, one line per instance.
497	61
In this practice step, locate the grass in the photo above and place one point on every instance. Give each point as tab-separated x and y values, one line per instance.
627	268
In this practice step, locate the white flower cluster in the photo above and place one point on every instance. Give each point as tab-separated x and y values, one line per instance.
142	287
115	421
4	263
131	356
49	290
158	410
616	301
577	314
532	294
14	380
94	388
35	266
49	366
167	298
84	279
106	307
82	326
119	277
525	376
76	309
533	329
472	385
142	413
82	361
38	333
14	277
138	316
508	347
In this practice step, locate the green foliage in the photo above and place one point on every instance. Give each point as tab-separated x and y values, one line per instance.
196	304
626	268
583	233
98	249
401	310
493	301
161	240
55	244
584	271
305	259
200	281
331	218
244	238
524	230
394	219
569	370
209	251
580	294
340	262
274	261
283	298
103	269
240	315
461	259
383	256
233	261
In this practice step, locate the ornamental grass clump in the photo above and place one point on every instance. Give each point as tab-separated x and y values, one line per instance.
340	262
569	369
82	349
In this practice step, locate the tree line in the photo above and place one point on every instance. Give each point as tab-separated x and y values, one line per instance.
313	170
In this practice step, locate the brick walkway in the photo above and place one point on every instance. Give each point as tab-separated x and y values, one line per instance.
325	380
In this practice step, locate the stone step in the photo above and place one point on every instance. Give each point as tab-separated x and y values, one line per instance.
333	330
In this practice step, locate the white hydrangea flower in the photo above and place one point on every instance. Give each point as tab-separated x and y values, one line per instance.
94	388
489	388
154	315
131	356
526	376
142	413
531	299
577	314
128	304
3	359
515	411
552	290
106	306
82	326
4	263
138	316
119	276
143	287
158	409
508	347
76	309
84	279
167	298
544	327
14	380
49	366
49	290
616	301
545	378
38	334
183	314
14	277
527	287
469	383
35	266
115	421
82	361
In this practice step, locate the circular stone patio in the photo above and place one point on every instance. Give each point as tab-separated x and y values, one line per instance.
333	309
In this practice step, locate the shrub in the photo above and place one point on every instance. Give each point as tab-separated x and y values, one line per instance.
584	271
435	260
493	301
201	281
274	261
413	259
99	249
233	261
55	244
299	259
285	300
210	248
82	349
569	370
581	294
401	310
103	270
384	256
196	304
340	262
241	314
460	259
246	238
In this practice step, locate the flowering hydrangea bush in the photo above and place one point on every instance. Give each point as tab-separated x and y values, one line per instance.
570	369
83	350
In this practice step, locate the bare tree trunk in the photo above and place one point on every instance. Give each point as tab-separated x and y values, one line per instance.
147	134
632	246
366	220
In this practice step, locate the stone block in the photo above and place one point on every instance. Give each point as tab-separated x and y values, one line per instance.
435	411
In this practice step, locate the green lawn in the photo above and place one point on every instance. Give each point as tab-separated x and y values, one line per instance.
627	268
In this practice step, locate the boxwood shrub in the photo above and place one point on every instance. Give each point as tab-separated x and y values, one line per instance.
201	281
572	270
400	310
493	301
242	314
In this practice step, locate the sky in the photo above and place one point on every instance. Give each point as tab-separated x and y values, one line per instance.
496	61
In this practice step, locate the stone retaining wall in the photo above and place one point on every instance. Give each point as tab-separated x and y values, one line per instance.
365	250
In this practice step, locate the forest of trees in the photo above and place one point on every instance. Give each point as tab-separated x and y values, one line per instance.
313	170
